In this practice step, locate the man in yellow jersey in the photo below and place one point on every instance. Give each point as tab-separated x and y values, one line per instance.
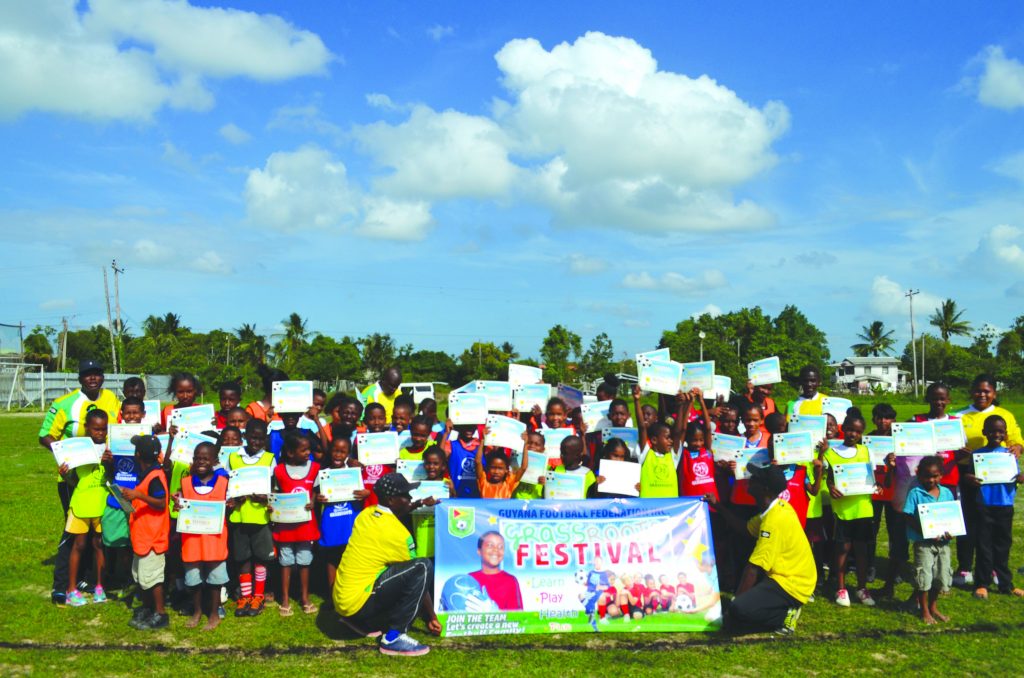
384	391
809	401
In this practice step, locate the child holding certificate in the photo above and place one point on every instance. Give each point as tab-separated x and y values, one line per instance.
530	486
296	475
995	514
614	450
937	397
229	395
376	422
572	463
121	469
882	416
659	456
263	409
933	566
497	480
337	518
88	500
423	522
204	555
461	453
419	438
150	533
697	466
185	388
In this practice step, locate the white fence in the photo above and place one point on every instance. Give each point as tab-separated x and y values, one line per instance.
21	385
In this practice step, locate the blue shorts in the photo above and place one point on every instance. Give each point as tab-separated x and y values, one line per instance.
295	553
214	574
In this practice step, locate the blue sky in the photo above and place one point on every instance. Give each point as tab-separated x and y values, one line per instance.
448	172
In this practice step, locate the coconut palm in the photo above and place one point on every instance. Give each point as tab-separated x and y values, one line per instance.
252	345
948	320
168	325
875	340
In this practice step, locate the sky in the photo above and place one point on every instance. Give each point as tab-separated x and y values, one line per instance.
449	172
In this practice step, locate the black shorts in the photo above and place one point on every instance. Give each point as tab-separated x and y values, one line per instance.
848	531
331	554
252	542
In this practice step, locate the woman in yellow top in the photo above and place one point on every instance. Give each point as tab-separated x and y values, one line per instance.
983	405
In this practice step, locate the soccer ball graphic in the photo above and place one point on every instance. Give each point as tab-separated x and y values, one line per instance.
581	577
461	593
461	525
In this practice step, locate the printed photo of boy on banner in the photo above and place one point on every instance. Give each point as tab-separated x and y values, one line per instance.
622	565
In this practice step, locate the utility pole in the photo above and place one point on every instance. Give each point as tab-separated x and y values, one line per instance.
913	345
110	322
64	344
924	382
117	305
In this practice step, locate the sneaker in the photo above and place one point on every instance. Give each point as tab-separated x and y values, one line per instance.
242	607
59	598
155	622
256	606
995	578
84	587
403	646
810	599
842	598
99	595
788	627
602	620
221	612
76	599
871	575
865	598
963	578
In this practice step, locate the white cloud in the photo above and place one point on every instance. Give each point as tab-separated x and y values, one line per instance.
146	251
674	282
581	264
1011	166
710	309
56	304
888	299
211	262
127	60
384	102
437	32
1002	83
395	220
1001	247
304	118
639	281
234	134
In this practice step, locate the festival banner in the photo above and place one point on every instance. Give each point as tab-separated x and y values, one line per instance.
511	567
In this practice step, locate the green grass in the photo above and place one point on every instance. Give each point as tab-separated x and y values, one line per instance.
982	638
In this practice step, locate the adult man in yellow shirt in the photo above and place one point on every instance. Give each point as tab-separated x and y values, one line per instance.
384	391
380	586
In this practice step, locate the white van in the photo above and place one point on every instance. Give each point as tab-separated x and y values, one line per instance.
420	390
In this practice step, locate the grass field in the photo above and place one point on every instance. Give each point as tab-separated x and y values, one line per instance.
982	637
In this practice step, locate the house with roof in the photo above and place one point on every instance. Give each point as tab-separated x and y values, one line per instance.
865	375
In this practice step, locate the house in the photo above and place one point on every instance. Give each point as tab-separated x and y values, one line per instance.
863	375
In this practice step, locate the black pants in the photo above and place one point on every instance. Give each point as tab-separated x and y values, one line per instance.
759	609
396	597
965	544
995	536
62	561
741	545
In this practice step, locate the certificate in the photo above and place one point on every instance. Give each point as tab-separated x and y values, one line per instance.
724	446
698	375
412	469
854	479
660	376
528	395
658	354
793	448
377	448
941	517
764	371
595	415
201	517
152	416
165	443
467	408
119	438
995	467
949	434
913	440
291	396
225	453
817	424
564	486
436	489
630	436
404	439
745	456
880	447
76	452
520	375
553	438
504	432
184	446
196	418
537	468
466	388
289	507
247	480
620	477
573	397
340	484
497	393
722	389
837	407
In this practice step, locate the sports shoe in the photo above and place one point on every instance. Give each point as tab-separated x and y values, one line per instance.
403	646
99	595
59	598
963	578
221	612
995	578
871	574
76	599
788	627
865	598
256	606
242	607
155	622
810	599
842	598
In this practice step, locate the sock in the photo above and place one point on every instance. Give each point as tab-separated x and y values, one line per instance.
602	610
261	580
391	636
245	582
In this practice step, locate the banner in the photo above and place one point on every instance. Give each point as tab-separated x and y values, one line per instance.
606	565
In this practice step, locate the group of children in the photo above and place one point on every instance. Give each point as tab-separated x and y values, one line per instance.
674	450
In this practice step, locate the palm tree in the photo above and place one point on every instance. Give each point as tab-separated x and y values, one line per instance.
508	349
875	340
295	337
251	344
947	319
169	325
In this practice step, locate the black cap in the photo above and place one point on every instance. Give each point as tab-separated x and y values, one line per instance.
150	444
769	475
393	485
86	366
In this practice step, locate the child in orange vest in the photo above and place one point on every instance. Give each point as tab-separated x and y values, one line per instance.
149	527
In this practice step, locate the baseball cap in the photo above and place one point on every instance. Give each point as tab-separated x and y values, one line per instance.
86	366
147	443
393	485
769	475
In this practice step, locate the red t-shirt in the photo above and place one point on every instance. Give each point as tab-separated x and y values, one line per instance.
501	587
697	474
293	532
796	493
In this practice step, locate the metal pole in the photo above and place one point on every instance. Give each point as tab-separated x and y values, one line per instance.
42	389
117	305
64	345
924	382
110	324
913	344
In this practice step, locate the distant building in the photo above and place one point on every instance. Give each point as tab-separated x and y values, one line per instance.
864	375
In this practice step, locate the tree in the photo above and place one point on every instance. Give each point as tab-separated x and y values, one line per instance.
948	321
169	325
252	347
597	361
875	340
325	359
510	350
295	336
556	350
378	352
429	366
482	360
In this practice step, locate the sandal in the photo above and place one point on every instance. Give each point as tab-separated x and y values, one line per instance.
285	611
981	594
310	608
1017	592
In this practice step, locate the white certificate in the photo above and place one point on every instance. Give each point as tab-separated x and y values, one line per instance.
412	469
657	354
764	371
436	489
291	396
76	452
184	446
913	440
724	446
660	376
995	467
595	415
817	424
939	518
721	391
793	448
553	438
620	477
747	455
949	434
504	432
377	448
289	507
880	447
467	408
570	395
564	486
225	453
837	407
197	418
520	375
854	479
340	484
528	395
119	438
404	439
201	517
497	393
246	480
536	469
698	375
628	435
152	416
